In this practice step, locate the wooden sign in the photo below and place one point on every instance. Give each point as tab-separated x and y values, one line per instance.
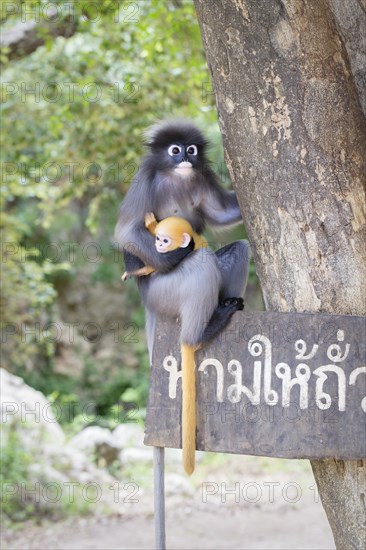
287	385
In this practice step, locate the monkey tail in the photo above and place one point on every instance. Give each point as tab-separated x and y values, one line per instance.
188	408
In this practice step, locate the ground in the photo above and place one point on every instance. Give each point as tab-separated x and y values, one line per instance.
231	502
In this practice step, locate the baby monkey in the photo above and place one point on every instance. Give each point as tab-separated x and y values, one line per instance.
171	233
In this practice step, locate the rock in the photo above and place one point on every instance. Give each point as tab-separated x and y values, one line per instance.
128	435
132	454
67	458
29	412
97	442
47	474
55	469
91	436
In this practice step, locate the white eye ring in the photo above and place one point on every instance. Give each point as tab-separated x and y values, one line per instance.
173	150
192	150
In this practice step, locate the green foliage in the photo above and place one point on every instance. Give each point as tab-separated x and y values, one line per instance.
76	119
74	112
73	115
25	293
26	494
14	466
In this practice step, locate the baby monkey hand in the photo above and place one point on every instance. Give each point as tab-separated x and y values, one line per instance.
150	220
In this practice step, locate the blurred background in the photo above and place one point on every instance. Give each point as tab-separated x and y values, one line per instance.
80	83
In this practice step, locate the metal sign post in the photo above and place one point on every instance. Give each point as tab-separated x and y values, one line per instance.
159	498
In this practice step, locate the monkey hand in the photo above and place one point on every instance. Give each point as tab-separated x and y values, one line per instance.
150	220
125	276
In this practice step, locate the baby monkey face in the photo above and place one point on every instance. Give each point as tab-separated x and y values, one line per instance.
168	243
163	243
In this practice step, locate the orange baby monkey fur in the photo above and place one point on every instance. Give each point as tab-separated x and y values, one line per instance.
178	232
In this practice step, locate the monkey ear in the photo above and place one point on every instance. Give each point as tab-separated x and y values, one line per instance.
186	239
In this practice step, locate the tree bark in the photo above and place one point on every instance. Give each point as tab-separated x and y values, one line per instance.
295	143
27	36
350	18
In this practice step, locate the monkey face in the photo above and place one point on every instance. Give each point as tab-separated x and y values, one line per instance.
177	146
183	157
163	243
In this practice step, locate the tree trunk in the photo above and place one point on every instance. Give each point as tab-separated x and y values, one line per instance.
350	18
295	143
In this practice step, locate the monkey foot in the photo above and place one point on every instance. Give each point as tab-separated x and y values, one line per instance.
235	303
221	317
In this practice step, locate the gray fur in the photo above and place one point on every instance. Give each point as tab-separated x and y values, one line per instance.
189	292
150	318
233	260
189	289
